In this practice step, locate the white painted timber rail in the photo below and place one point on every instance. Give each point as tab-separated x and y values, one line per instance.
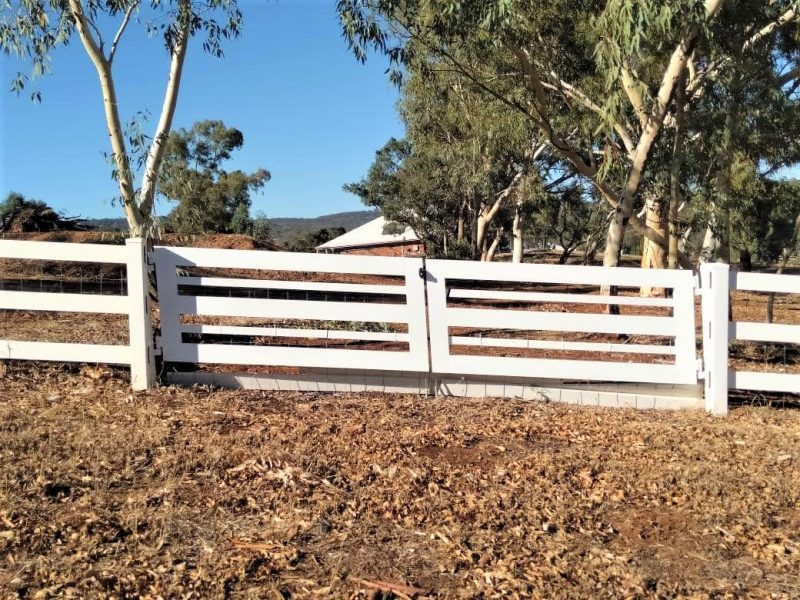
138	354
343	314
497	285
50	251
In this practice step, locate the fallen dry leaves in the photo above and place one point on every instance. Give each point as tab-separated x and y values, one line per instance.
209	493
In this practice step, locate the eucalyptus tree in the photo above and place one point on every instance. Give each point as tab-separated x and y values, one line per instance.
596	79
33	29
475	155
457	171
413	189
751	128
486	149
209	197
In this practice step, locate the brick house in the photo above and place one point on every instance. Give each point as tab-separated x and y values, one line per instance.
370	238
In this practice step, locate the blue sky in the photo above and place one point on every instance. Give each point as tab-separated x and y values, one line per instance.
310	113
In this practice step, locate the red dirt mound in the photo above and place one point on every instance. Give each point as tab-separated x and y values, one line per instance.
224	241
218	240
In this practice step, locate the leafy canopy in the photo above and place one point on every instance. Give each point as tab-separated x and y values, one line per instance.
32	29
209	198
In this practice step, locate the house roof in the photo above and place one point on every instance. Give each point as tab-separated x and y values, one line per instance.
369	234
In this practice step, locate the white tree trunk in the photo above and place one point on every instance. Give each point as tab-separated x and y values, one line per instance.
675	193
137	210
498	236
683	242
708	251
124	176
480	235
516	232
158	146
654	255
488	212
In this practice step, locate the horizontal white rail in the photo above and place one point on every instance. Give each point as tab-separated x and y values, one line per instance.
290	309
764	332
50	301
322	334
60	251
560	274
64	352
558	321
765	282
459	340
765	382
558	298
575	370
326	358
281	261
304	286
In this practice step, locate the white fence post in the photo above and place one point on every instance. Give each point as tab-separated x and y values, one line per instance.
143	369
715	288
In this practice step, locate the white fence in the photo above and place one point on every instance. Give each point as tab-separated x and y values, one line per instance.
138	353
441	320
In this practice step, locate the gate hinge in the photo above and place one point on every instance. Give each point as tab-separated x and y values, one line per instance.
698	290
158	348
701	370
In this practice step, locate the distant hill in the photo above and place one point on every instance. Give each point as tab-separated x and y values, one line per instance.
107	224
285	228
282	229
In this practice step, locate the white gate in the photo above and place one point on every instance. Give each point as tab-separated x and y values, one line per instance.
248	307
463	300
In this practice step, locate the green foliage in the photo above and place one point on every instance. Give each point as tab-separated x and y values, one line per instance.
455	250
409	189
566	218
12	204
765	219
392	228
382	184
309	241
462	150
209	199
240	220
32	29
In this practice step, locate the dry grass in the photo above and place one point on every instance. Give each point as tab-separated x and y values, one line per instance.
64	327
206	493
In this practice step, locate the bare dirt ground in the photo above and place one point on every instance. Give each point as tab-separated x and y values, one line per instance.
196	492
206	493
